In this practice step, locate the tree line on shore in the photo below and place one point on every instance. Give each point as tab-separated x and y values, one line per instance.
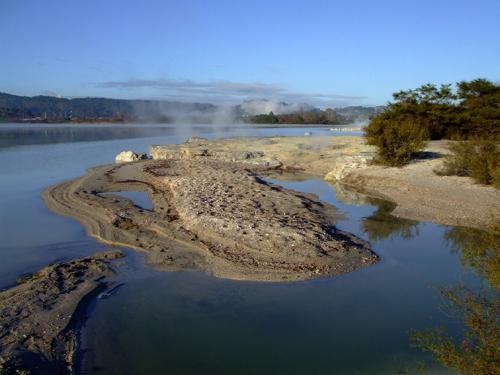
326	117
468	113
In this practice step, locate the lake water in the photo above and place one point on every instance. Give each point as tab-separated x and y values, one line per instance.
188	322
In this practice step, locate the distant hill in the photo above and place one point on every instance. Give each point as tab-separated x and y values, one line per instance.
15	108
49	108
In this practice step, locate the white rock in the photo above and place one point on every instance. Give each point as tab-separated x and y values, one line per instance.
345	165
128	156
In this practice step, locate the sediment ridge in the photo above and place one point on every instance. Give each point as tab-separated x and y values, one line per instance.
213	215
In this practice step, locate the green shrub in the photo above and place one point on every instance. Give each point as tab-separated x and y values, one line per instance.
478	158
470	111
397	140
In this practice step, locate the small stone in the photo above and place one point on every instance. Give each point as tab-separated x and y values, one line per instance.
128	156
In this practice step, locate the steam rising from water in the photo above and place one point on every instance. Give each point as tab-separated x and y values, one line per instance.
155	111
200	113
257	107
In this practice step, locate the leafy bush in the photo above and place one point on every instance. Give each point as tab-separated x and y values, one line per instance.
478	158
396	142
430	113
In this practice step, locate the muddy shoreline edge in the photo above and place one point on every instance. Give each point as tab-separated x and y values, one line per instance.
42	315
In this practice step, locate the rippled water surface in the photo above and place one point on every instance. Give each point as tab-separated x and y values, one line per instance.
187	322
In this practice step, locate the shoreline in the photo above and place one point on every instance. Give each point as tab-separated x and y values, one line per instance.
174	125
42	315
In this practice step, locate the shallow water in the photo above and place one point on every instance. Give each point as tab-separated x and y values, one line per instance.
354	324
140	199
188	322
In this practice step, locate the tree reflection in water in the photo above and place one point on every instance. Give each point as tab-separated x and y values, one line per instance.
477	352
480	250
382	225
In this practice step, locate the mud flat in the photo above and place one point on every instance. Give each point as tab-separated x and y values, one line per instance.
39	317
418	192
214	215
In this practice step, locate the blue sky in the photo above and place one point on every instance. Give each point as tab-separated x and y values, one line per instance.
328	53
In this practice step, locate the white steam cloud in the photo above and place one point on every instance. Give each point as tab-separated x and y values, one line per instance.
257	107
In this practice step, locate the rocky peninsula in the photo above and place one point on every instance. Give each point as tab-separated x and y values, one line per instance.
214	211
215	214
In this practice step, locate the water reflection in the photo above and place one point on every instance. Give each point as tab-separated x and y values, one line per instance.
18	136
381	224
477	351
480	250
12	135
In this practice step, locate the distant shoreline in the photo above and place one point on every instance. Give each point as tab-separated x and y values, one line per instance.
351	126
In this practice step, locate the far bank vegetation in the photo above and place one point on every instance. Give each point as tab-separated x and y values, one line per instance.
328	116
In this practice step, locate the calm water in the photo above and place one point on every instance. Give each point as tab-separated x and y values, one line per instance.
186	322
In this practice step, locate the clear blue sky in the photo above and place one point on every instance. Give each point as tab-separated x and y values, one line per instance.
325	52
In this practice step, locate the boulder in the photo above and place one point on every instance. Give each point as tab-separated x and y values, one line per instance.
128	156
346	164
